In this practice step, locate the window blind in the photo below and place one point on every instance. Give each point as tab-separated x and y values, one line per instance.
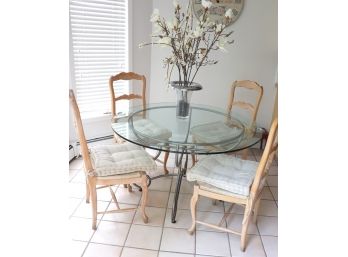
99	41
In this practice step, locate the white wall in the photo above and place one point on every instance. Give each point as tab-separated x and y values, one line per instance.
253	56
141	59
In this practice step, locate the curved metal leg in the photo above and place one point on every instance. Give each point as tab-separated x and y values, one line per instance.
182	172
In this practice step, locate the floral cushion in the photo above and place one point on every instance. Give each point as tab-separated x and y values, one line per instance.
118	159
225	172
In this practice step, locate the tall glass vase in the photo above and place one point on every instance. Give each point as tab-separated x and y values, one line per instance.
183	96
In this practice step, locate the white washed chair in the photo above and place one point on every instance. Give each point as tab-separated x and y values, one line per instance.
108	165
230	179
223	130
146	124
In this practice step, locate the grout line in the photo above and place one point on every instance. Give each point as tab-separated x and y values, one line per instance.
263	247
131	224
228	236
165	215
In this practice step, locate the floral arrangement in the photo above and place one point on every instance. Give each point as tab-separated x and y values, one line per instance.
190	40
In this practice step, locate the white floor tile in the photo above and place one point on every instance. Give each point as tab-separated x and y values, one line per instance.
266	194
72	174
171	254
272	181
198	255
79	178
186	187
125	217
273	170
103	194
239	209
76	164
77	190
145	237
274	191
123	196
111	233
268	226
76	248
234	222
212	243
156	216
85	209
177	240
96	250
183	219
209	217
161	184
183	201
206	204
73	204
253	248
80	229
133	252
268	208
270	244
157	199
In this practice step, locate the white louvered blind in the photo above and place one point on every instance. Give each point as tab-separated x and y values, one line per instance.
99	40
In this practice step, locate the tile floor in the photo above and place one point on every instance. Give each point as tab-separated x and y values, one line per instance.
125	234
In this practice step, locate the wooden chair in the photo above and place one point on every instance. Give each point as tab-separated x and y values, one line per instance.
252	108
142	97
108	165
230	179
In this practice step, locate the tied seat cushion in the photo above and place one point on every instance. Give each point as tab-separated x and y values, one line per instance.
215	132
152	130
225	172
119	159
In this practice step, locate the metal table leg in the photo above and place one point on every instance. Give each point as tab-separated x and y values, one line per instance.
181	173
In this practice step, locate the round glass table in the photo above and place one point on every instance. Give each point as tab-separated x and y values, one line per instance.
207	130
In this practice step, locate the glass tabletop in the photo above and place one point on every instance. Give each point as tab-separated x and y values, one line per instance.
207	130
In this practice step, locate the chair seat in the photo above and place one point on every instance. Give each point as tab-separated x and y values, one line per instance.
215	132
152	130
225	172
116	159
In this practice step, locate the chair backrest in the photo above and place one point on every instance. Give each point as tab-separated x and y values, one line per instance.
253	108
266	159
126	76
80	132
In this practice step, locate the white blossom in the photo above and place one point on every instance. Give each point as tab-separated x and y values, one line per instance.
198	32
157	28
219	27
164	41
206	4
155	15
141	45
221	44
228	14
175	3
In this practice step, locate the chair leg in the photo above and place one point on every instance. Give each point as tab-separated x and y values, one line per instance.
246	220
194	200
194	159
144	198
165	160
245	154
256	210
88	192
93	190
129	188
